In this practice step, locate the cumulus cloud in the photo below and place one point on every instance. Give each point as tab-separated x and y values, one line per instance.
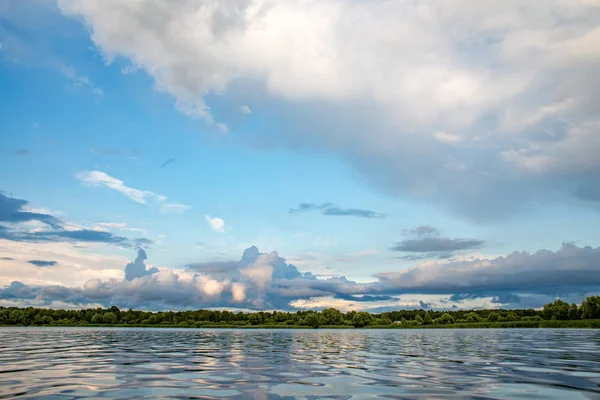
266	281
450	84
137	268
425	242
101	179
331	210
571	268
216	224
245	110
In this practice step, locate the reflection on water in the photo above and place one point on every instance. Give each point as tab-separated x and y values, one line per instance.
276	364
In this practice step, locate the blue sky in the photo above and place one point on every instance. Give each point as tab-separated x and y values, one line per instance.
421	155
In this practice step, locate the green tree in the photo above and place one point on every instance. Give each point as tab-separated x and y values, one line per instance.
419	319
332	316
96	318
574	313
361	319
493	317
557	310
109	318
427	320
590	308
313	319
445	319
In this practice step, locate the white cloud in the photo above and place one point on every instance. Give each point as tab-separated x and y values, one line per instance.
106	226
78	81
174	208
509	76
448	138
98	178
216	224
245	109
74	265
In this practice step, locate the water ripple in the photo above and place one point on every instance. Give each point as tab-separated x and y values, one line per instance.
69	363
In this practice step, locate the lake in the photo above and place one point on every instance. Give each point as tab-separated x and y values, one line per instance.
279	364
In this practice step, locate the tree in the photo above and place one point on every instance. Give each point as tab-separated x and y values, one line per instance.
493	317
445	319
96	318
361	319
590	308
472	317
427	320
419	319
574	313
557	310
313	319
109	318
332	316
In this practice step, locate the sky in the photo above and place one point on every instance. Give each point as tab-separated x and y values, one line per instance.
262	155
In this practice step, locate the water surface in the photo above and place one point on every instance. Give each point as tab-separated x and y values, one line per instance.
310	364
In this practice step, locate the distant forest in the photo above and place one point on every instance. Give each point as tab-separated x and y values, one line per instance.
330	317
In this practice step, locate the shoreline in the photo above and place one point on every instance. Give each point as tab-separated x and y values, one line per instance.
552	324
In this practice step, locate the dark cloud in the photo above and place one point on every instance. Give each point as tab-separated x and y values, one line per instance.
425	242
137	268
570	269
169	161
13	210
330	210
437	245
365	298
21	152
41	263
507	298
7	258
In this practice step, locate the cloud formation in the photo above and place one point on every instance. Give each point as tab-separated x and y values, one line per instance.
265	281
137	268
101	179
216	224
42	263
462	119
49	228
330	209
425	242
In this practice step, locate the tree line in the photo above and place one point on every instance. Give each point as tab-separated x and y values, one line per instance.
557	310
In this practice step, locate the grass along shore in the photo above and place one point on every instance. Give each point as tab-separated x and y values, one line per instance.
581	324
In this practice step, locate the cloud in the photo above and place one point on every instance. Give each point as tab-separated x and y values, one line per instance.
41	263
101	179
216	224
97	178
483	110
21	152
79	81
167	162
245	110
330	210
425	242
266	281
117	226
50	228
137	268
174	208
571	268
14	210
